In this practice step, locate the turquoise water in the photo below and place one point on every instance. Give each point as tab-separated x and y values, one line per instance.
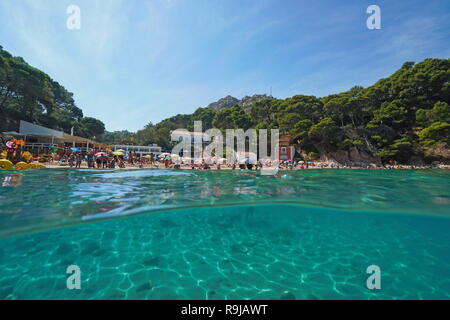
152	234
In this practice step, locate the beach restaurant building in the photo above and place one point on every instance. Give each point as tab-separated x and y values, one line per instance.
141	150
41	139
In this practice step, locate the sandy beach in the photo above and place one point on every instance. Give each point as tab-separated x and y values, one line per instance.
226	167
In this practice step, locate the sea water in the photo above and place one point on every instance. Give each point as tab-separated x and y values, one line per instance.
161	234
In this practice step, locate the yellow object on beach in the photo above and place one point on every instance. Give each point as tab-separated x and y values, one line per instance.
27	156
22	166
37	166
118	153
6	164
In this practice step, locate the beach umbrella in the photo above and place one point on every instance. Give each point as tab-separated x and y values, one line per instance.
100	154
120	150
75	149
118	153
147	157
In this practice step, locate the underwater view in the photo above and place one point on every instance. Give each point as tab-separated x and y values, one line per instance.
167	234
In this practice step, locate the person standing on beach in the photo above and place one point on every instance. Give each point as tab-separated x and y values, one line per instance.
91	160
78	161
121	163
152	158
104	162
71	159
99	162
112	163
130	158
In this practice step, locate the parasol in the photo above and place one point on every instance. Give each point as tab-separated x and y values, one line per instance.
100	154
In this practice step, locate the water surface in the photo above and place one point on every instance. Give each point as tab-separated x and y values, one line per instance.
155	234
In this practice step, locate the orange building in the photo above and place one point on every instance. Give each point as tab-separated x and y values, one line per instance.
286	150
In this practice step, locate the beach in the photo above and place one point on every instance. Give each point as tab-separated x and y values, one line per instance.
229	167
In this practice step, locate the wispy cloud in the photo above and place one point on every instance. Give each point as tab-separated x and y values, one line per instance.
421	36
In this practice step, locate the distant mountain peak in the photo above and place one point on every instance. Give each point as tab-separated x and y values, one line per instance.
249	100
230	101
223	103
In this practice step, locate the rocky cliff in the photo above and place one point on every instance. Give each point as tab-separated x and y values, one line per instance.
230	101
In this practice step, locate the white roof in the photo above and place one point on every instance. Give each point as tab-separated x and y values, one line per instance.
12	133
29	129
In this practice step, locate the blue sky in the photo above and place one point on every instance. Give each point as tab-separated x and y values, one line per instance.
138	61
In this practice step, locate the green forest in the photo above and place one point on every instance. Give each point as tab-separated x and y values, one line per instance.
401	117
27	93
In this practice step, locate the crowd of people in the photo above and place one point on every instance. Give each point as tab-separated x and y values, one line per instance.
99	159
15	152
111	160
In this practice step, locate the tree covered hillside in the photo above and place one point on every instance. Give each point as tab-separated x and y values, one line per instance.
27	93
404	116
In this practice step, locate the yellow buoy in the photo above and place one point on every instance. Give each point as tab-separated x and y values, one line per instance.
6	164
22	166
26	156
37	166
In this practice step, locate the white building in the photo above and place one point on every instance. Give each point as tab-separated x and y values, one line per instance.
38	138
141	150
